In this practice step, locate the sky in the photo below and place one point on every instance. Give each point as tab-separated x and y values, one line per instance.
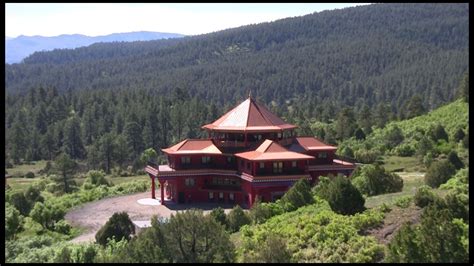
94	19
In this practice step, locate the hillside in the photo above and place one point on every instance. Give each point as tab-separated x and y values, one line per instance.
16	49
407	141
367	54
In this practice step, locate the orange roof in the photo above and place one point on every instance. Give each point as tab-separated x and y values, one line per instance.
270	150
249	116
188	146
313	144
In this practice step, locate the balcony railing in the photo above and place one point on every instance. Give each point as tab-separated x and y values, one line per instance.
211	165
283	172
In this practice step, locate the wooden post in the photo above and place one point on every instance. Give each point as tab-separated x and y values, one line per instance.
153	187
245	139
162	188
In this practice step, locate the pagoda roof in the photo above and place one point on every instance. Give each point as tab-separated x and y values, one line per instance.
193	146
270	150
249	116
310	144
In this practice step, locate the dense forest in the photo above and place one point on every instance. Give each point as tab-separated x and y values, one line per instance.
381	53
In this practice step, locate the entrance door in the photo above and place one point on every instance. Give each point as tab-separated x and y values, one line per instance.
181	197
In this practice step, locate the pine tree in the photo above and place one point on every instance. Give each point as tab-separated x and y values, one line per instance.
72	138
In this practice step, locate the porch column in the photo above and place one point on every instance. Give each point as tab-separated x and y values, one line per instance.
153	187
245	139
162	189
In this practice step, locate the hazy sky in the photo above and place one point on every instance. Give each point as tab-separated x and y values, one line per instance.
100	19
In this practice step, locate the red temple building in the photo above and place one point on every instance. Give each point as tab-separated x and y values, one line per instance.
249	153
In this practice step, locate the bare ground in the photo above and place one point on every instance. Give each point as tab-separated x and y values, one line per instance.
394	220
92	216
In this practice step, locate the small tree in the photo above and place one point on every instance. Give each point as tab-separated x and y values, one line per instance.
454	160
13	221
359	134
237	218
273	250
219	216
424	196
95	178
298	195
438	173
260	212
437	133
119	226
374	180
459	135
46	214
343	197
64	166
404	247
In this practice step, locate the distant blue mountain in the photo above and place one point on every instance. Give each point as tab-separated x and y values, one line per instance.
16	49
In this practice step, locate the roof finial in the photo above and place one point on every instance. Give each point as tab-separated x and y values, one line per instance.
250	93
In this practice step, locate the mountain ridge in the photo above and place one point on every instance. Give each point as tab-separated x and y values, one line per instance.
16	49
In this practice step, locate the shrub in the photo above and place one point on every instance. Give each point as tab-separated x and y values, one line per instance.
404	150
455	161
459	135
20	202
95	178
118	226
219	216
403	202
8	164
438	173
424	196
237	218
343	197
298	195
438	133
428	159
393	137
260	212
374	180
424	146
273	250
47	214
30	175
366	156
13	221
62	227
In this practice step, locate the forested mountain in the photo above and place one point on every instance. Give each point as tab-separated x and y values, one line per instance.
16	49
381	53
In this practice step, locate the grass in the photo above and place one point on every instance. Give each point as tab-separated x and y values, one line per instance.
119	179
405	164
21	170
20	183
411	182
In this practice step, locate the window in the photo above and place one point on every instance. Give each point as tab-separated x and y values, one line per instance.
248	165
226	181
293	164
214	180
185	160
221	195
229	159
211	195
189	182
262	165
322	155
231	196
279	135
206	159
241	163
277	167
259	137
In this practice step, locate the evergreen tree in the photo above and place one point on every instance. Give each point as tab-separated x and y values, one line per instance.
414	107
134	139
65	167
107	150
72	138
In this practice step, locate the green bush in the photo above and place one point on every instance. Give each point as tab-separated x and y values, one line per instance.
374	180
219	216
95	178
424	196
117	227
454	160
403	202
438	133
13	221
260	212
30	175
298	195
62	227
366	156
438	173
237	218
404	150
47	214
343	197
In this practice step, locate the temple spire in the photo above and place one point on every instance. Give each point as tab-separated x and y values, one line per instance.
250	93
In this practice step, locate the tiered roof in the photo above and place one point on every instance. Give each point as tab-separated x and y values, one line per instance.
303	144
249	116
193	146
270	150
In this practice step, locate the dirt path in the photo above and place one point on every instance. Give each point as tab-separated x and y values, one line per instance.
92	216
